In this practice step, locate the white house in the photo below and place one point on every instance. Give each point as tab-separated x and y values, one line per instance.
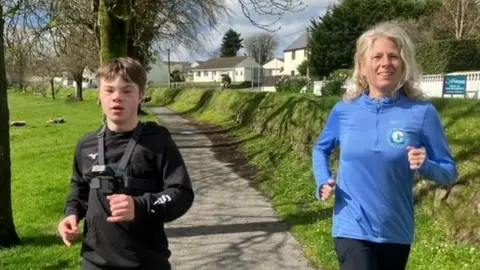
189	75
238	68
274	67
295	54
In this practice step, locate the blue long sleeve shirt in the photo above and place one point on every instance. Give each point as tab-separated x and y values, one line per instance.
374	197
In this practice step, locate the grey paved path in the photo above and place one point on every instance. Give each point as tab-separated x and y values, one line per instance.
230	225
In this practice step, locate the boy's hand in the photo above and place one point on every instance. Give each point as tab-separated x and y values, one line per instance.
68	229
122	208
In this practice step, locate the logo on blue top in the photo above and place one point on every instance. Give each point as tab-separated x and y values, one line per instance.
397	138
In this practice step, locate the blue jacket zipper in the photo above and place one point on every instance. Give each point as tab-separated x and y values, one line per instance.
377	126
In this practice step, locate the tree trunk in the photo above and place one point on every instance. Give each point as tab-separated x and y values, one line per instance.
113	22
78	78
52	86
8	235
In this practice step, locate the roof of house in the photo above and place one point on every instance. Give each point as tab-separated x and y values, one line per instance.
222	62
300	43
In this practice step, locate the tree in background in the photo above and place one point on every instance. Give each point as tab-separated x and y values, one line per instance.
231	44
8	234
333	36
261	47
302	68
18	55
76	56
420	30
459	19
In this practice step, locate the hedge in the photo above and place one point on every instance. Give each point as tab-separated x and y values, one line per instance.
445	56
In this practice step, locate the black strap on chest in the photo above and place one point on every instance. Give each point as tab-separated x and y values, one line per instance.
122	165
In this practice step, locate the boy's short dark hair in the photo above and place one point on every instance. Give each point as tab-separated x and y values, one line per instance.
128	68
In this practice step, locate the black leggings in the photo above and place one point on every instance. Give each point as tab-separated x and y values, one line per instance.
364	255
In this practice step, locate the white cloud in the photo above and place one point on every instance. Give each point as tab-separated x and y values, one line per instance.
292	25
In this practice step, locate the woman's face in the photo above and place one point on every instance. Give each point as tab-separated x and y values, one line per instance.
385	66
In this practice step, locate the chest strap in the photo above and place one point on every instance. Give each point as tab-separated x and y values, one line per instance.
147	184
128	150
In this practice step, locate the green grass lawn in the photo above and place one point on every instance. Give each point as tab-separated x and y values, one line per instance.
42	156
289	183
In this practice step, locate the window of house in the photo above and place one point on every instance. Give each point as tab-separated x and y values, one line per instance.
293	72
205	73
293	55
198	73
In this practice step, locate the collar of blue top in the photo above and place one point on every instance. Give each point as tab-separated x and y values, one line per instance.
383	102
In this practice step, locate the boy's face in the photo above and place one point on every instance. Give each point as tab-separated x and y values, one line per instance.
120	100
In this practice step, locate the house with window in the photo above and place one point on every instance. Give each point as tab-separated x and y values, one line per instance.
273	67
295	54
238	68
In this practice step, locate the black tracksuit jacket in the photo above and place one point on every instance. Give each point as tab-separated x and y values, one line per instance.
141	243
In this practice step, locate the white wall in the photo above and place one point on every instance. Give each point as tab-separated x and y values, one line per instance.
292	64
269	89
239	75
432	84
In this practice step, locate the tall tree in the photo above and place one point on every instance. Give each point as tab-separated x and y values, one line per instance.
458	19
18	56
8	234
231	44
420	30
76	55
333	36
114	21
261	46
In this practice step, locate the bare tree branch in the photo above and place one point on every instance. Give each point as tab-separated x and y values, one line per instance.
465	15
277	8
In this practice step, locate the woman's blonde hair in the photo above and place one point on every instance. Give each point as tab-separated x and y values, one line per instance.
411	71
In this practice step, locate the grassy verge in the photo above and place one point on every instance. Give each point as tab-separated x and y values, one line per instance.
42	156
290	124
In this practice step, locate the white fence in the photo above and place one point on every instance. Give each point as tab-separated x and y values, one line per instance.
431	85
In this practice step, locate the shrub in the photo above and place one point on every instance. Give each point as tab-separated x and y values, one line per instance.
334	85
291	84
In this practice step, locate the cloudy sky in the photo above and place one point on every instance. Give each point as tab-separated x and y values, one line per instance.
292	25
